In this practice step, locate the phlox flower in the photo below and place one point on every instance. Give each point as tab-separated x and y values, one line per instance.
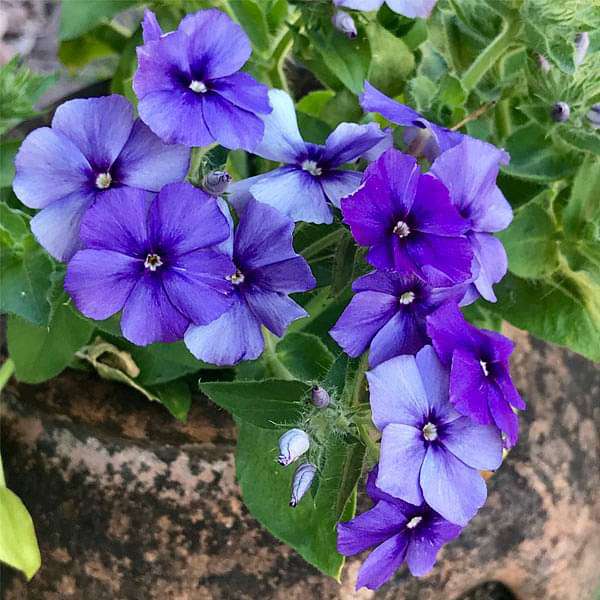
408	8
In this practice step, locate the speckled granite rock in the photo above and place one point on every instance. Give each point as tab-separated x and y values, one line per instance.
129	504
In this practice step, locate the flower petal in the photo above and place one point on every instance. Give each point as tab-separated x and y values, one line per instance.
150	27
504	417
365	5
493	262
348	141
49	166
287	276
218	46
402	452
230	125
233	337
451	488
100	281
146	162
366	314
282	140
148	314
412	8
244	91
372	100
397	393
117	221
57	227
275	311
295	194
196	285
382	563
183	218
478	446
99	127
337	184
445	326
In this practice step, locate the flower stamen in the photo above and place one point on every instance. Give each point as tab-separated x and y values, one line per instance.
198	86
430	432
312	167
401	229
407	298
236	278
103	181
484	367
414	522
152	262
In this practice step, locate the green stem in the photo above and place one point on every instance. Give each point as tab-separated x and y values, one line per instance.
272	361
2	479
6	371
327	240
490	56
276	73
503	119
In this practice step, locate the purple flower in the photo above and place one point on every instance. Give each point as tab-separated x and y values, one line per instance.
469	171
388	312
408	8
422	136
93	147
190	87
407	220
152	258
268	270
402	533
344	23
429	452
312	174
480	383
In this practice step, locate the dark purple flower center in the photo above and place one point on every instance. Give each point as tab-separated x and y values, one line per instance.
152	262
103	180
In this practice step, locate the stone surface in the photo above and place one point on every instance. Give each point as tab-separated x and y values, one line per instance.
130	504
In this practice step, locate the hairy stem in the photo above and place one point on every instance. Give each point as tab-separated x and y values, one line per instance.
277	368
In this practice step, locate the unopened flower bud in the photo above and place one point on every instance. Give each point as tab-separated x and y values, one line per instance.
319	396
560	112
582	43
216	183
292	445
303	478
594	116
543	63
343	22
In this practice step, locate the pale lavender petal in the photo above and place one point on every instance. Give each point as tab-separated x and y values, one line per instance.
402	453
382	563
238	193
366	5
49	166
295	194
275	311
196	284
148	314
148	163
385	144
57	226
117	221
493	262
230	125
99	127
150	27
412	8
183	218
348	141
233	337
100	281
478	446
372	100
366	314
338	184
369	528
244	91
282	140
451	488
218	46
426	543
397	393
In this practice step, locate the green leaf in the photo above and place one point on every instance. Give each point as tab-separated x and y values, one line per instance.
583	207
310	527
254	22
25	276
531	241
534	156
305	356
8	151
76	17
314	102
348	59
41	352
391	62
18	543
175	396
269	404
343	264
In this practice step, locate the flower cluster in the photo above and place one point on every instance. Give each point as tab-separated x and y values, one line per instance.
440	389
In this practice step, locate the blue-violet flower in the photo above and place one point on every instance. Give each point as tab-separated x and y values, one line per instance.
408	8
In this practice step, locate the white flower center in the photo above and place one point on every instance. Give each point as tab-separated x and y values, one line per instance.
401	229
198	86
430	432
312	167
407	298
236	278
103	181
152	262
414	522
484	367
